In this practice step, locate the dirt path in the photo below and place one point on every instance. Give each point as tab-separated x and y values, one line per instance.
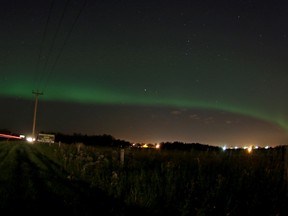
32	183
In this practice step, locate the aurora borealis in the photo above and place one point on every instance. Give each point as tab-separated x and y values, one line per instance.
148	71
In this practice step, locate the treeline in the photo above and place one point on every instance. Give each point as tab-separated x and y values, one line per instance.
188	146
108	140
94	140
5	131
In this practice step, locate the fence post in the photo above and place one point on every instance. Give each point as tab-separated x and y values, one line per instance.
122	156
78	147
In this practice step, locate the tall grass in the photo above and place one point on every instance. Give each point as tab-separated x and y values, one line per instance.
182	183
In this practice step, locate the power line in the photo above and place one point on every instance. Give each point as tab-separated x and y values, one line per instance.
64	43
36	77
44	74
55	36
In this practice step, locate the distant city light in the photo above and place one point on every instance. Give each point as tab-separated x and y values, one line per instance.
249	148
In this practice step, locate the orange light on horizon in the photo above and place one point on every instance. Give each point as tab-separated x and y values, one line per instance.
249	149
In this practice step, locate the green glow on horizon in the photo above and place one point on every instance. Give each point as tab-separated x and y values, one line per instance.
103	96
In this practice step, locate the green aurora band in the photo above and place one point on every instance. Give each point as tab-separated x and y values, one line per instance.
103	96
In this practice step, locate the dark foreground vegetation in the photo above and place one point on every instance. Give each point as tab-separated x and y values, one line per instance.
78	179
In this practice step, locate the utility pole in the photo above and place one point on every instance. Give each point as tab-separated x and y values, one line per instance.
36	93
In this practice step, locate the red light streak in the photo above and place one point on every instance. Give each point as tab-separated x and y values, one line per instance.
10	136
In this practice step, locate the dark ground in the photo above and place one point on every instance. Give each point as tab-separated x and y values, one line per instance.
33	184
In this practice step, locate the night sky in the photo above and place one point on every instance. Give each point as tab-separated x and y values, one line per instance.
212	72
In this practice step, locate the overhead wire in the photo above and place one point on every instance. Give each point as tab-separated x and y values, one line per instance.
43	76
55	37
64	44
37	71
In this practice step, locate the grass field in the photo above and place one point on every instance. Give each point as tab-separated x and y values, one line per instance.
81	180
